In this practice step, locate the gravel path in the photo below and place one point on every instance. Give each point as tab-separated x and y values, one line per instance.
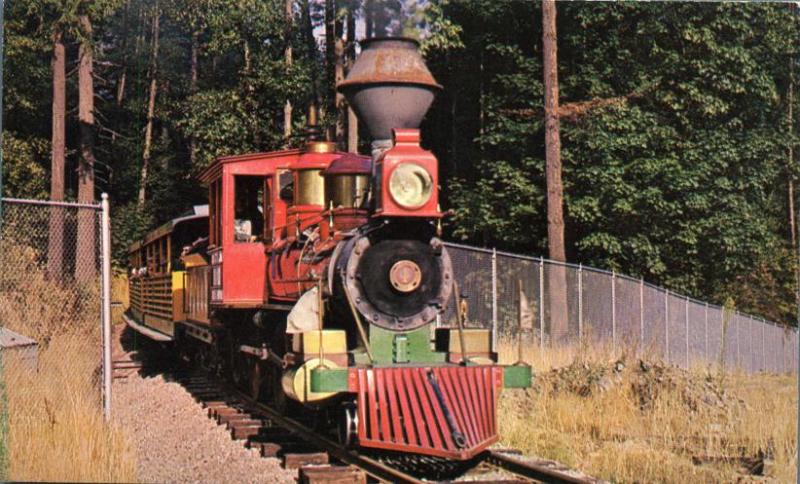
175	439
177	442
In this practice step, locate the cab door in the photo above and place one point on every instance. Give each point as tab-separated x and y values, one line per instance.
245	223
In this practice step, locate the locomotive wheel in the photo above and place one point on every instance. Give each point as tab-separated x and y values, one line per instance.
276	396
239	370
348	425
257	372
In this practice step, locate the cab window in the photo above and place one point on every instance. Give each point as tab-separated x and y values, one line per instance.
249	208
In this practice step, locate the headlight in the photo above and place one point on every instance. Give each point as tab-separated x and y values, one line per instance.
410	185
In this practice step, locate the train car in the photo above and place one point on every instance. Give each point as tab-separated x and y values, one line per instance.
318	276
157	274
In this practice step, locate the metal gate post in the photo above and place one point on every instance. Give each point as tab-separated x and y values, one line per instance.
580	305
614	311
494	300
541	305
686	322
666	324
106	304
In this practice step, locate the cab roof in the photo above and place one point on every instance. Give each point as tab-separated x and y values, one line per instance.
213	171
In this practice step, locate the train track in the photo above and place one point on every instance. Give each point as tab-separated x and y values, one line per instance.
320	459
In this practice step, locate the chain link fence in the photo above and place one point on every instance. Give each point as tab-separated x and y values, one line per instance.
51	274
585	307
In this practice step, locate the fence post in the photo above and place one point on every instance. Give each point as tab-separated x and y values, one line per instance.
4	458
751	353
614	311
784	344
541	305
736	323
705	330
641	312
580	305
494	299
724	336
763	352
2	49
686	322
666	323
106	303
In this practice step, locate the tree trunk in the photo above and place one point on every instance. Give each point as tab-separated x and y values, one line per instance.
790	160
369	19
453	129
790	172
555	216
123	75
249	98
195	47
121	85
151	108
350	53
85	257
311	43
193	62
330	60
552	140
341	108
287	60
248	63
55	258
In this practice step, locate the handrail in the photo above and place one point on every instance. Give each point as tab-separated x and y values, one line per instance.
51	203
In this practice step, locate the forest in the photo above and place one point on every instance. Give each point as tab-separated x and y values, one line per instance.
677	121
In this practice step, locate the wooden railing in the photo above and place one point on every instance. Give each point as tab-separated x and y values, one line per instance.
152	295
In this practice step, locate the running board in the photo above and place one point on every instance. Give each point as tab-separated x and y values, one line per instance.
149	332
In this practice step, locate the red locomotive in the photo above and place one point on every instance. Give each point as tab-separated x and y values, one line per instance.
315	277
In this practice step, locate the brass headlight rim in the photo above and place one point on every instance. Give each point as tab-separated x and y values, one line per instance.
427	184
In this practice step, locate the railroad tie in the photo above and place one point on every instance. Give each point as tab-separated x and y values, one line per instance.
243	421
331	475
266	449
296	461
244	431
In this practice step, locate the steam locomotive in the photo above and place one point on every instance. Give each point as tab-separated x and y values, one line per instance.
313	279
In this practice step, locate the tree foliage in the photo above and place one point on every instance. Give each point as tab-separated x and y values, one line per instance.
674	137
673	120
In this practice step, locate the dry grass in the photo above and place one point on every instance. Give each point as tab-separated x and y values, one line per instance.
56	429
637	426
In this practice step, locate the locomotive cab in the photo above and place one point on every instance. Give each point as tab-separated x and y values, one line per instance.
241	198
259	204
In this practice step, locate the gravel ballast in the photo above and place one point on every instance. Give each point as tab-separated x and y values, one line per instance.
177	442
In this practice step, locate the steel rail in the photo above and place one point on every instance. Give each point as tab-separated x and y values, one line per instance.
374	468
533	471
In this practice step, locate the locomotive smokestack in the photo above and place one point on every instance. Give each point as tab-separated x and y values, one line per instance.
389	86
